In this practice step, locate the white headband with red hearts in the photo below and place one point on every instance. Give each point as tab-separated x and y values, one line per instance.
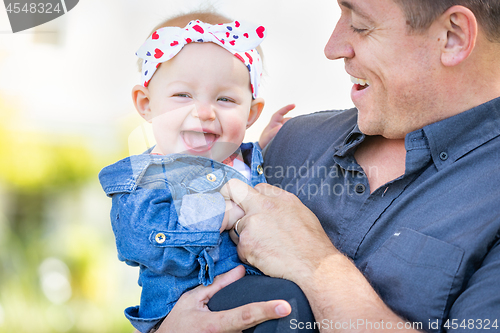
240	39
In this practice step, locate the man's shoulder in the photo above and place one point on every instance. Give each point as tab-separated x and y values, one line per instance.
317	131
306	139
317	120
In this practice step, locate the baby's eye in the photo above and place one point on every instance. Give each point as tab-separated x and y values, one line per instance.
226	99
182	95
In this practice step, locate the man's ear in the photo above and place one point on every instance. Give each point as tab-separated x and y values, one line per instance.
140	96
255	111
460	26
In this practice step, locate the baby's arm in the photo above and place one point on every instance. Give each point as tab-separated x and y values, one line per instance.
148	233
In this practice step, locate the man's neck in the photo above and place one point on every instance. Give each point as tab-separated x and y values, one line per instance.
382	159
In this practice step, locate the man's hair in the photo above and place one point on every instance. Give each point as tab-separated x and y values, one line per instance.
421	13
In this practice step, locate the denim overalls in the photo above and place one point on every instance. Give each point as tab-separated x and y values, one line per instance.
166	214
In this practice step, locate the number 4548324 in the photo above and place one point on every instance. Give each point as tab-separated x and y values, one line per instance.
472	324
46	8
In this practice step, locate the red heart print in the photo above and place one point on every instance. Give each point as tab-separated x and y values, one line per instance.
227	34
155	35
174	43
260	31
249	57
188	40
236	24
239	57
158	53
245	34
232	42
198	28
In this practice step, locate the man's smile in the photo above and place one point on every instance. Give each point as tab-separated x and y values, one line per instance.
360	83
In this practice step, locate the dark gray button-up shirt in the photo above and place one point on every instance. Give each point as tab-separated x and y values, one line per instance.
428	241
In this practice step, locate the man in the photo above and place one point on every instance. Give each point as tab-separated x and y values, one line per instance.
402	226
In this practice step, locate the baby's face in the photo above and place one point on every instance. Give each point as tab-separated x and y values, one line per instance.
200	102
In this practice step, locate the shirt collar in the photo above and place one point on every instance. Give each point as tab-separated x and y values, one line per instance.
352	140
454	137
447	140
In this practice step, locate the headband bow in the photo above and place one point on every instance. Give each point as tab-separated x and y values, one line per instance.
240	39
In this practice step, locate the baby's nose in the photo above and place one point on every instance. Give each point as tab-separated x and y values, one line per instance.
204	111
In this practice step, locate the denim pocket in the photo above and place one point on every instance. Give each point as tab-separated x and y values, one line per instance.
206	179
414	273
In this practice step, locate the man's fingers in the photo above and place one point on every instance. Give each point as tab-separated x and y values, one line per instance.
269	190
240	193
222	281
252	314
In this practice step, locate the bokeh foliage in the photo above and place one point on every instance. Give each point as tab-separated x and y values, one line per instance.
55	275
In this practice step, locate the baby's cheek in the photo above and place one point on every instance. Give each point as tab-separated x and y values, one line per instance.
235	131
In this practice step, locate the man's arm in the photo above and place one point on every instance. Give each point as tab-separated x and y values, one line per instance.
191	313
283	238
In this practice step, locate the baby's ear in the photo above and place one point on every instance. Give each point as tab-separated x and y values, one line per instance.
140	97
255	111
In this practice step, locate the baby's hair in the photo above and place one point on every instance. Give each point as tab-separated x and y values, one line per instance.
208	16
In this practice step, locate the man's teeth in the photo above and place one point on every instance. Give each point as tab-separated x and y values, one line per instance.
361	82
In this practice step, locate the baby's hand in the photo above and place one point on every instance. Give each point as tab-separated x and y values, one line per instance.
277	120
233	213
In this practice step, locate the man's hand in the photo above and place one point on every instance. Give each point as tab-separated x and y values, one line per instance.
232	214
277	120
283	238
191	313
278	234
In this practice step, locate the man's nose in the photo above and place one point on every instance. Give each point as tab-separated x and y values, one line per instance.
339	45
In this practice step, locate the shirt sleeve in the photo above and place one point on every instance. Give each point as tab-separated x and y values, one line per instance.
148	232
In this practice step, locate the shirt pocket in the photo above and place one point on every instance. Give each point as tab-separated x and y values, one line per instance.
414	273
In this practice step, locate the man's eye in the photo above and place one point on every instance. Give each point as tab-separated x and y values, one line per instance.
357	30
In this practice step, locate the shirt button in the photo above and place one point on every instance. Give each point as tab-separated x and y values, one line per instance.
443	156
211	177
160	238
360	188
260	170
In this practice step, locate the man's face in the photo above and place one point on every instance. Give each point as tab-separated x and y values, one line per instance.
393	70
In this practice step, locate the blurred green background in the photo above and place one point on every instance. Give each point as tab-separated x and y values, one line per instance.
66	112
58	266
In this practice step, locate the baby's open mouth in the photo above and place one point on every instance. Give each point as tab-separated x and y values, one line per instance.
195	139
